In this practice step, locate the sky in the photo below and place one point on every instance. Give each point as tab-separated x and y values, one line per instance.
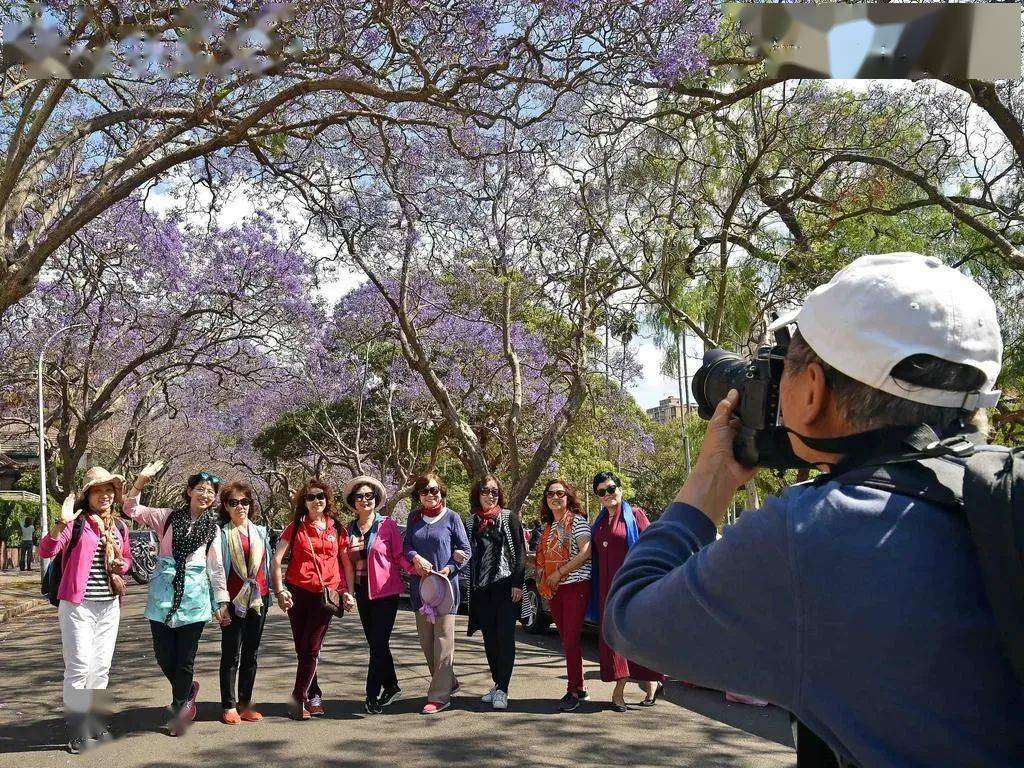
649	388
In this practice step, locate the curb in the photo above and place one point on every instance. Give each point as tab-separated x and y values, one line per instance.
22	607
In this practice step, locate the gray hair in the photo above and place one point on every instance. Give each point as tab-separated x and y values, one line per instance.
867	408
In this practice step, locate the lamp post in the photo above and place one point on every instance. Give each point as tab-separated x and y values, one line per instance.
43	521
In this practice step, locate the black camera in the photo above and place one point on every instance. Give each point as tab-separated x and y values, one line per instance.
760	441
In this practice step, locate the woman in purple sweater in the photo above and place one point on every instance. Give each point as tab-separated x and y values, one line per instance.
436	542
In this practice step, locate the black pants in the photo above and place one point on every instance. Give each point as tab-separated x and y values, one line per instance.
239	647
378	619
175	651
25	559
497	616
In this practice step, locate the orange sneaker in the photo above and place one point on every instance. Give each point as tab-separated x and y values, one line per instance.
230	717
250	715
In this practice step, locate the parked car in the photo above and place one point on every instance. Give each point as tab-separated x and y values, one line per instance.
144	545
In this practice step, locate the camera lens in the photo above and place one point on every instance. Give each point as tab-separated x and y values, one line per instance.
721	371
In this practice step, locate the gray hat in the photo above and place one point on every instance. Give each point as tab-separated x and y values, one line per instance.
355	482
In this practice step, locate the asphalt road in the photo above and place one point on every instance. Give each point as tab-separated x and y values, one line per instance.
687	728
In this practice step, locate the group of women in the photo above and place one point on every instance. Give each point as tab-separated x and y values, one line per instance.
215	562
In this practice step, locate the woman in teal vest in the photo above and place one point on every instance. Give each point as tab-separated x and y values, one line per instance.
179	601
241	594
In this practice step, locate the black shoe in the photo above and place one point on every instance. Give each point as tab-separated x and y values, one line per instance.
582	695
78	734
372	706
616	707
389	696
99	732
569	702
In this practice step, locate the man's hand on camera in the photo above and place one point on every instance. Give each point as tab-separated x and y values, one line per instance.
716	475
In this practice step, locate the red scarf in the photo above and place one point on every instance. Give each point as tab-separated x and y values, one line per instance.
488	518
424	513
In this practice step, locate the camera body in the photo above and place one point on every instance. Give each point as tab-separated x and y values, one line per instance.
760	441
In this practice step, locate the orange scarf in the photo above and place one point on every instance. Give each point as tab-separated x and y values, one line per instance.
552	553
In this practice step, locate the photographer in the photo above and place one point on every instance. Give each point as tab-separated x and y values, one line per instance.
863	612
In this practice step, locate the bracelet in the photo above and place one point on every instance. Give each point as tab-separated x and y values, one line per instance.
281	592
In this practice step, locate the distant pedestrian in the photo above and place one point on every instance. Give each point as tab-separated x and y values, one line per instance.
615	530
378	559
241	589
28	533
436	544
496	576
318	571
180	596
563	576
95	554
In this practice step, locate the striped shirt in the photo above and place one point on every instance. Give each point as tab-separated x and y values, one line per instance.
98	585
580	532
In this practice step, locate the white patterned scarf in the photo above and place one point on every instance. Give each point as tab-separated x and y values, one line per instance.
248	597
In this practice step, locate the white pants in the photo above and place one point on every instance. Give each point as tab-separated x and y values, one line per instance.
88	633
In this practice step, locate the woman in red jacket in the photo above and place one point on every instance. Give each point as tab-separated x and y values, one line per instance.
376	551
317	544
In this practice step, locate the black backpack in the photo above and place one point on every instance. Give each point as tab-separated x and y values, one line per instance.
984	484
55	570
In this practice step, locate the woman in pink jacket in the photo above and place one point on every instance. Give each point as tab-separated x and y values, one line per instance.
95	555
375	547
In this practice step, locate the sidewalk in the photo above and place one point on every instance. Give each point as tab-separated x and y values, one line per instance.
19	593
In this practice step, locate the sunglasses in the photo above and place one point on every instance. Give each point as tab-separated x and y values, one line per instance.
209	477
315	496
556	494
608	489
239	502
492	492
369	496
431	491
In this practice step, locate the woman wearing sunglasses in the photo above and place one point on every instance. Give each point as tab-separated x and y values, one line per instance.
375	549
317	546
563	576
496	582
615	531
436	542
241	590
180	594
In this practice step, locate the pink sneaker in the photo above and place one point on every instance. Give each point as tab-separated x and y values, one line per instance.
433	707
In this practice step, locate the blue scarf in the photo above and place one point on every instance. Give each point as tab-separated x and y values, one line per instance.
353	530
632	534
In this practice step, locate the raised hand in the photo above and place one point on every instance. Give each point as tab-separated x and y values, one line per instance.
150	471
67	509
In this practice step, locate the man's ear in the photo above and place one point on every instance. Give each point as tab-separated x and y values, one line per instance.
817	394
807	405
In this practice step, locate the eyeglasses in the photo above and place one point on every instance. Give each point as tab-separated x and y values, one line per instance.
608	489
239	502
368	496
492	492
315	496
431	491
209	478
556	494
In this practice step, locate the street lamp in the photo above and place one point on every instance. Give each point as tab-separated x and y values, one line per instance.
43	521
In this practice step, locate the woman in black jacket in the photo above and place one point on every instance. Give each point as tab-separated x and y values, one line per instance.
495	582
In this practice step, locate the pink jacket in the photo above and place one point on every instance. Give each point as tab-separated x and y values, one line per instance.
78	561
385	560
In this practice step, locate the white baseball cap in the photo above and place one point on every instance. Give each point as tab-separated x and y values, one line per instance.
882	309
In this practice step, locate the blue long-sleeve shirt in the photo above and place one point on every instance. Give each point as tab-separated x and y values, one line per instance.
437	542
861	612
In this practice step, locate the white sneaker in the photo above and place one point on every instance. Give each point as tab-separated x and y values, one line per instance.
488	697
500	700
